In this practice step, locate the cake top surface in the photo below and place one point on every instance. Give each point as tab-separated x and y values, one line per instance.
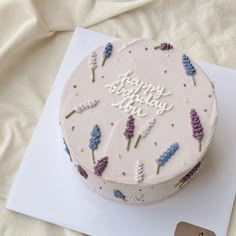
147	96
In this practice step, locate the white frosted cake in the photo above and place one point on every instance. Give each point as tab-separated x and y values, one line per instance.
137	119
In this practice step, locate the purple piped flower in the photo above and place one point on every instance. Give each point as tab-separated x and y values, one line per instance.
197	128
164	46
129	131
100	166
189	175
82	171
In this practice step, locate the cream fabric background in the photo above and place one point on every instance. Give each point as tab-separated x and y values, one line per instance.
34	35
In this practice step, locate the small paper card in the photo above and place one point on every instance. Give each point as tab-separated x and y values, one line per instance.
186	229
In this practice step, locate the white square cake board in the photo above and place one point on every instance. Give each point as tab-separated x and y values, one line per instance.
46	186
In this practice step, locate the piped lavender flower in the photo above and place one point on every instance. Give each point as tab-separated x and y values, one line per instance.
119	194
188	67
197	128
189	175
82	171
67	149
129	131
107	52
93	65
164	46
94	140
161	161
100	166
145	130
83	107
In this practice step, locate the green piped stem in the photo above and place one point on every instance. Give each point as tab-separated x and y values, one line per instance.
177	184
199	145
137	141
70	114
157	47
128	144
194	81
93	75
93	157
158	169
103	61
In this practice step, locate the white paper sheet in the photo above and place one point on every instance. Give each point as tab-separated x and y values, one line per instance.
47	187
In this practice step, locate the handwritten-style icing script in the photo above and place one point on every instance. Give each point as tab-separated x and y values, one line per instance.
134	92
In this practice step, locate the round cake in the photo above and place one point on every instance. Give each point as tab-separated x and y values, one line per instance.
137	117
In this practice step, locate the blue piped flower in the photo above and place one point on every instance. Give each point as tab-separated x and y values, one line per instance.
119	194
166	155
94	140
107	52
67	149
188	67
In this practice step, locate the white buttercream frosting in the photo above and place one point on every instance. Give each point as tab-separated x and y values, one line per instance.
145	130
87	105
139	80
139	176
93	61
